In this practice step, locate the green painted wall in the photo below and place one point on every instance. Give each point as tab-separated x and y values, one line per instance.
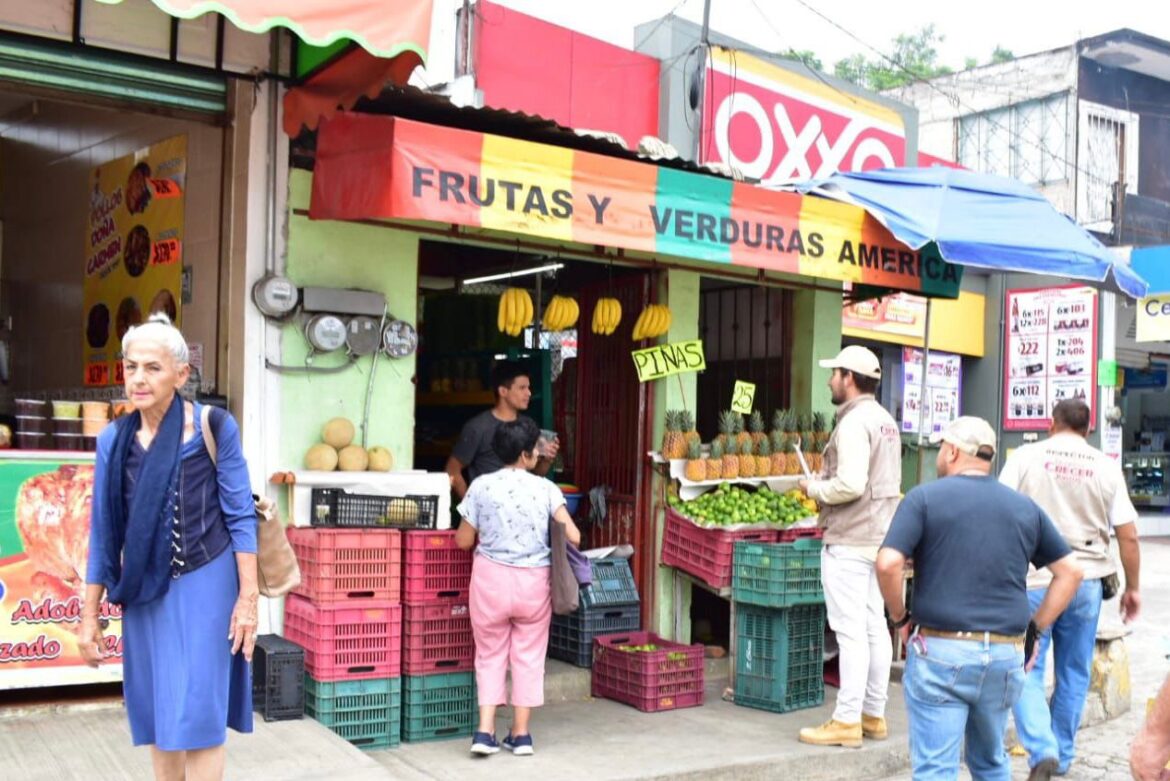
680	291
817	315
348	255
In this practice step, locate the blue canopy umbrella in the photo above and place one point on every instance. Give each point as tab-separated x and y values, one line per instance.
981	221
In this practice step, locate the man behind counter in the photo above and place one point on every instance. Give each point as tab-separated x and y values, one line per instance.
473	451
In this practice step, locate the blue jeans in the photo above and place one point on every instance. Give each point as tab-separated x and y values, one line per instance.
958	689
1050	731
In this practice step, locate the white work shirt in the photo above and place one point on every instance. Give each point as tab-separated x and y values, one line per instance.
1081	489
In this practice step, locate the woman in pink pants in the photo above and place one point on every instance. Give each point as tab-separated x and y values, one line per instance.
511	599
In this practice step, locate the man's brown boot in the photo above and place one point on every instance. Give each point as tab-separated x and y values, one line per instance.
874	727
833	733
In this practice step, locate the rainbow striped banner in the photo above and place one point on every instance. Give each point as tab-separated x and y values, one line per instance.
377	167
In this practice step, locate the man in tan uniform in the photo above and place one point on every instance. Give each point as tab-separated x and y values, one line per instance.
1085	494
858	491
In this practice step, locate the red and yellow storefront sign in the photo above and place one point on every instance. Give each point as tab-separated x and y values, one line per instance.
376	167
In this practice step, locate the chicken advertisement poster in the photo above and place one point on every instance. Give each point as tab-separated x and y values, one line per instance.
44	542
133	250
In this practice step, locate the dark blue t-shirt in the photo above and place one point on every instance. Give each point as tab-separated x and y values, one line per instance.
972	539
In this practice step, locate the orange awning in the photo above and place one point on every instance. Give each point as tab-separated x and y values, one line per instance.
392	36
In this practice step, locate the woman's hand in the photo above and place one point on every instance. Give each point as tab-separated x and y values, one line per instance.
90	642
244	623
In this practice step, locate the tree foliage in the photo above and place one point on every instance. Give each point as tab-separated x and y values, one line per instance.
914	57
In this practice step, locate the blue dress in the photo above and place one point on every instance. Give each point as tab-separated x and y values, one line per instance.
183	686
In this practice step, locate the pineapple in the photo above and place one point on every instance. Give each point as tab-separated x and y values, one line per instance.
818	425
778	418
809	448
696	468
747	460
779	445
741	436
715	461
804	425
674	444
819	457
687	421
730	461
756	426
726	427
791	462
763	458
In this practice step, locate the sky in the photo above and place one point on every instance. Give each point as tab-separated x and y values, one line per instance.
969	29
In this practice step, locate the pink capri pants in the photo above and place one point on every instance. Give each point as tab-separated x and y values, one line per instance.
511	608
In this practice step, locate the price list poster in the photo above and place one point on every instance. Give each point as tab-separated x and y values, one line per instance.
944	389
133	250
1050	354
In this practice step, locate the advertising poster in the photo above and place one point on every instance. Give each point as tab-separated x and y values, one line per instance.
1050	353
133	250
944	389
900	314
44	542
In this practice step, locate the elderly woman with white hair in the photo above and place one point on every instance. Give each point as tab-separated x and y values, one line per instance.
173	541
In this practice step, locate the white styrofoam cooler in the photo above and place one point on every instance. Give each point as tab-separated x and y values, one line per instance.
377	483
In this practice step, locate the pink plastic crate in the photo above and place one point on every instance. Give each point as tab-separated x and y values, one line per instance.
651	681
347	640
705	553
437	638
803	533
434	568
344	564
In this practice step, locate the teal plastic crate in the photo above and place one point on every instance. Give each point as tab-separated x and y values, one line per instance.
781	574
367	713
779	657
438	707
613	584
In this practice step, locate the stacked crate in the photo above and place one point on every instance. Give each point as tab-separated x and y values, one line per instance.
779	625
347	615
278	679
438	648
608	605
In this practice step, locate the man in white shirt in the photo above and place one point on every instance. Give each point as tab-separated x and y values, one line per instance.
1085	494
858	491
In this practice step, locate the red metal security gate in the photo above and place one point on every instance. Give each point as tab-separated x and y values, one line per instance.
613	425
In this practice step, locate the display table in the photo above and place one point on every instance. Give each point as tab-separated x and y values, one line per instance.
376	483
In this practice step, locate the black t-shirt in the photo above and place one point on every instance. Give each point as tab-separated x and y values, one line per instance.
474	448
972	539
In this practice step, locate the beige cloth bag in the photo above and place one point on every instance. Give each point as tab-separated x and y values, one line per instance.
277	569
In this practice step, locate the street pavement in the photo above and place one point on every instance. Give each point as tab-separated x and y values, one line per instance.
1103	749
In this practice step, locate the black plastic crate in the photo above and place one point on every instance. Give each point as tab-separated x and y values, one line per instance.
570	638
278	678
335	508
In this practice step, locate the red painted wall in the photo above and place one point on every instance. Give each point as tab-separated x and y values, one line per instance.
525	64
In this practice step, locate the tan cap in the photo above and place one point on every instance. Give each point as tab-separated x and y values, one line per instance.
856	359
969	434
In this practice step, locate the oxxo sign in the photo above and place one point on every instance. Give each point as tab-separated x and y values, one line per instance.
776	125
1153	318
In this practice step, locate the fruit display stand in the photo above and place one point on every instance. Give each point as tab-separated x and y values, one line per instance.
693	489
396	484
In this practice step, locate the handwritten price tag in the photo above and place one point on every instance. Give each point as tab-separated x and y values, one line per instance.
166	252
97	373
165	188
743	397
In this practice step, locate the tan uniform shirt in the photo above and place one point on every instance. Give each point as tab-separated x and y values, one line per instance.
1082	490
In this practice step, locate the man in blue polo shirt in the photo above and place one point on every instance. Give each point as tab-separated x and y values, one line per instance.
971	539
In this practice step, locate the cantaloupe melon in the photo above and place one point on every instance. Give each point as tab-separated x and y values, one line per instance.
338	432
353	459
321	458
380	459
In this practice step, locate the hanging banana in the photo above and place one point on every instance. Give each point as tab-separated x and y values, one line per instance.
515	312
652	323
560	314
607	314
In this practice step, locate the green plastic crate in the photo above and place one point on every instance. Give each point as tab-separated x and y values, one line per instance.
438	707
779	657
367	713
780	574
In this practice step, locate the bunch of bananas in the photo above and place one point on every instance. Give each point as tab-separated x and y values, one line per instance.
561	313
515	311
606	316
652	323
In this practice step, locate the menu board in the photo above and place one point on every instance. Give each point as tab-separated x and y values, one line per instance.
944	388
1050	353
133	250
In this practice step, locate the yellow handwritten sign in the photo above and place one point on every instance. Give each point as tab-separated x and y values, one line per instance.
666	359
743	397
